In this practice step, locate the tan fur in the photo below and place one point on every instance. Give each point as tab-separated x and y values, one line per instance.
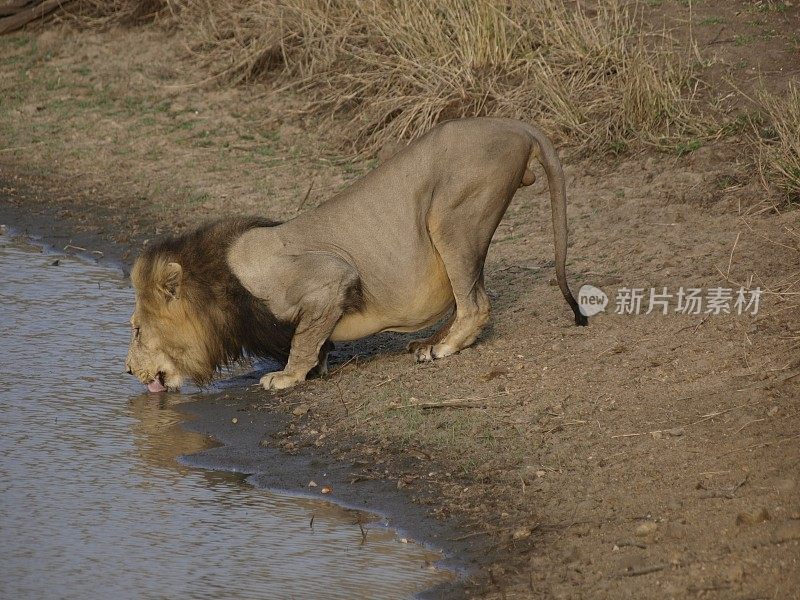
171	339
396	251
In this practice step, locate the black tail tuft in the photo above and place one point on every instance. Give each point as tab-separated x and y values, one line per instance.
580	319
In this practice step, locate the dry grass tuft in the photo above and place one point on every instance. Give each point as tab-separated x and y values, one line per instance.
778	142
391	69
97	13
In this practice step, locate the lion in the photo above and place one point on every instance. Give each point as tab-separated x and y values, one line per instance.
398	250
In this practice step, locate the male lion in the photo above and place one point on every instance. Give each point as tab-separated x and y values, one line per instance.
396	251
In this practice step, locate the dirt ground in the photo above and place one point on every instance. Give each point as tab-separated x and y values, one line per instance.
643	456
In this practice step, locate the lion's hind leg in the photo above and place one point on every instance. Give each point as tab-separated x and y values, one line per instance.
461	232
416	346
471	315
472	310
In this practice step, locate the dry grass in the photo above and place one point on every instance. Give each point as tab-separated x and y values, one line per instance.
99	13
779	142
393	69
381	69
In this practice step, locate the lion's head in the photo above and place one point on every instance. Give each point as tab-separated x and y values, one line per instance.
168	339
192	314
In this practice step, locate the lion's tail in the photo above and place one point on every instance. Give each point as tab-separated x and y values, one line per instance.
545	153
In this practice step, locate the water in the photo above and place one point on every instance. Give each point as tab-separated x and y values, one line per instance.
93	500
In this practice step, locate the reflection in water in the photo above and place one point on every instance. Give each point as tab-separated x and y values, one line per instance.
93	503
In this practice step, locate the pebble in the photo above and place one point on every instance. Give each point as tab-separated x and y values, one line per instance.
300	410
753	518
646	529
521	534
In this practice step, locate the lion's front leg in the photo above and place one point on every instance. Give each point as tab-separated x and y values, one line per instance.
305	353
321	302
309	338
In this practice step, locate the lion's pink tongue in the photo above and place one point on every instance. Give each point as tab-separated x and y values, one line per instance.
156	386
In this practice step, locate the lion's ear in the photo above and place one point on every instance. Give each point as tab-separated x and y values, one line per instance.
171	280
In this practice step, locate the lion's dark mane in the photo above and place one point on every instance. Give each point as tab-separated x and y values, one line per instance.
237	323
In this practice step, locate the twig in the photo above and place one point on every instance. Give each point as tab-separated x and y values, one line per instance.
769	382
452	403
644	570
341	397
342	366
15	148
762	445
641	545
308	193
700	324
443	404
561	425
363	533
730	259
748	424
700	420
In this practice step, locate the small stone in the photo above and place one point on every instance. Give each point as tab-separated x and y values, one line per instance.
752	518
300	410
675	431
326	490
521	534
773	411
234	420
312	483
657	435
646	529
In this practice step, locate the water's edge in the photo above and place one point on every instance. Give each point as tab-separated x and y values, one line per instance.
240	451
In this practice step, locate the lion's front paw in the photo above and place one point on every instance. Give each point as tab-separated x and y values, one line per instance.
429	352
279	380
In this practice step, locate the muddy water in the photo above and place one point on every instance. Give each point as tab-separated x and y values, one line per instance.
93	500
